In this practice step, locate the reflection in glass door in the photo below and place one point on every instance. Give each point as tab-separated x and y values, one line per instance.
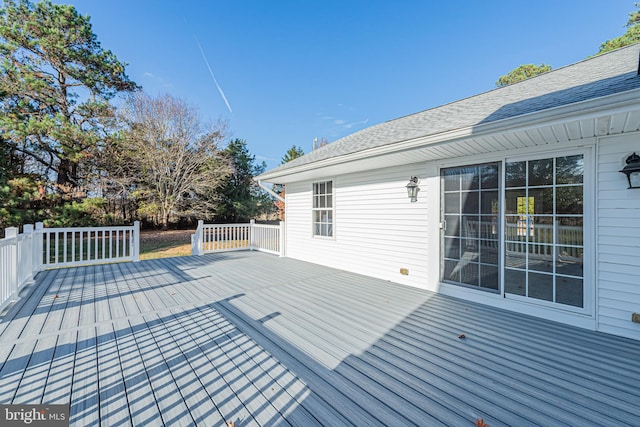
470	238
544	229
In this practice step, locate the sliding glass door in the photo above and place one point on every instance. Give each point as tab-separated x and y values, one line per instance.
519	232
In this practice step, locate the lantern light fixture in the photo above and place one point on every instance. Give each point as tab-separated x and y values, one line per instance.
632	170
412	188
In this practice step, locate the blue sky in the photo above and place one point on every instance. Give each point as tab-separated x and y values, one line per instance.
295	70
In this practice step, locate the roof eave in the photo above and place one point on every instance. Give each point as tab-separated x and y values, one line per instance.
591	108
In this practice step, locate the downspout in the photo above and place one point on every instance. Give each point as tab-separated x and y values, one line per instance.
270	191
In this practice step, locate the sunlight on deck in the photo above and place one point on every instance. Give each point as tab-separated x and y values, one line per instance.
260	340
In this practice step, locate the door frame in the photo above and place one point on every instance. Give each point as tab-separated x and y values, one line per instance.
584	317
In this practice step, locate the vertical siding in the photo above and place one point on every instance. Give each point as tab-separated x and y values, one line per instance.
378	230
618	233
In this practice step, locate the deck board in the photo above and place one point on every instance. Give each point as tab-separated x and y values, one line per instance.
261	340
239	382
269	378
36	372
332	388
139	395
58	388
114	408
14	369
16	316
216	368
222	404
87	314
159	361
373	376
85	388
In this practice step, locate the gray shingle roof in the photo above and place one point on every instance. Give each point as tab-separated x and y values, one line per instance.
607	74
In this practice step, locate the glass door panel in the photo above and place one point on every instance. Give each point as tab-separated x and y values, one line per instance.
470	237
544	231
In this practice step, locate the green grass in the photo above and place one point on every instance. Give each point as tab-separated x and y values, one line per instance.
163	244
159	250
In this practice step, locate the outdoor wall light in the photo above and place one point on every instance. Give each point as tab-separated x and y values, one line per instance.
412	188
632	170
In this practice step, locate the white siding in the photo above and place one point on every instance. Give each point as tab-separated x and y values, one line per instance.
378	232
618	233
377	229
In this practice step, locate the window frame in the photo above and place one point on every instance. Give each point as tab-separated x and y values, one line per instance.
325	196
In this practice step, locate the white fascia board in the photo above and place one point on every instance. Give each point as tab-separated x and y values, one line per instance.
268	190
588	109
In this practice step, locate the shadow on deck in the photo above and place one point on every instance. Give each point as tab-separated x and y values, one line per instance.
261	340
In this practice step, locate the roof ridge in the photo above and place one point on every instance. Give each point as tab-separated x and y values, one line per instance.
521	82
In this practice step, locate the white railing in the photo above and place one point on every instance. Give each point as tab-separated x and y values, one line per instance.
568	239
266	238
524	236
23	255
20	260
66	247
210	238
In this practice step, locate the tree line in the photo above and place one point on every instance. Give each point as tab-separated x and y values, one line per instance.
69	157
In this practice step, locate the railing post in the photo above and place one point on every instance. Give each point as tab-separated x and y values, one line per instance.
136	241
12	233
252	224
27	230
282	240
38	247
196	240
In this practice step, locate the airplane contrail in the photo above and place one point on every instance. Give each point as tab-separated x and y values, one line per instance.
211	72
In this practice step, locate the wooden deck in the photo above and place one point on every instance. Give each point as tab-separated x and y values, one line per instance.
261	340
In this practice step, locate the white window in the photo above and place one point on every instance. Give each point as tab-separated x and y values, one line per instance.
323	209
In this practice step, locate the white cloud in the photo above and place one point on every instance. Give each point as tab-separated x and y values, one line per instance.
165	84
333	126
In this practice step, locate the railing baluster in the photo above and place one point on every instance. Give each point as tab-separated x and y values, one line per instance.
73	245
48	249
64	248
56	243
88	257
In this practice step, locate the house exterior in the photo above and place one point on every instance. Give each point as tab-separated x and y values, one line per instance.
521	203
